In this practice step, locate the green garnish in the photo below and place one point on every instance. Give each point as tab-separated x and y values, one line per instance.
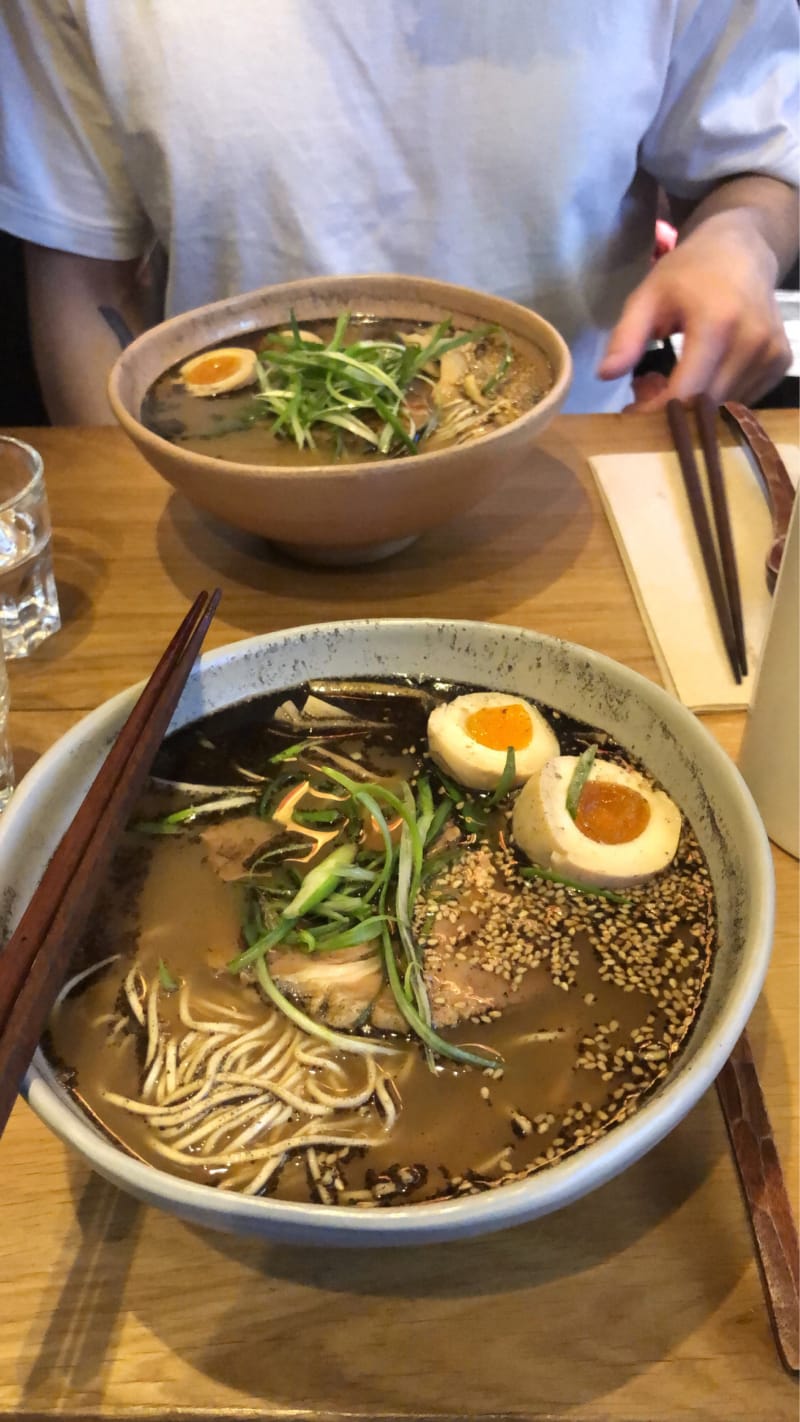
363	932
165	977
254	953
291	752
360	388
439	819
316	817
502	369
535	871
506	779
319	882
474	814
174	822
578	779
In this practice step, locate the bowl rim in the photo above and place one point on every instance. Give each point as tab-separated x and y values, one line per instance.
427	1221
206	463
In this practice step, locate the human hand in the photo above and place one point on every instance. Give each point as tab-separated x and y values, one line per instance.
717	287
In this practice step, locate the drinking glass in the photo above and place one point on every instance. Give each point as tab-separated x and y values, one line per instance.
28	599
6	763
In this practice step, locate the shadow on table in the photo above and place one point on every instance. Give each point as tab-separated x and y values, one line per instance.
81	568
81	571
75	1349
473	554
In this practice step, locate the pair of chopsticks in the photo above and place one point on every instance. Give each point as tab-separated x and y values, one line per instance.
719	556
35	960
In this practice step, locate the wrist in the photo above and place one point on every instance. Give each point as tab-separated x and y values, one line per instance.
737	230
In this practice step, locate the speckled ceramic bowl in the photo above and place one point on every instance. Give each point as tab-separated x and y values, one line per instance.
342	513
671	742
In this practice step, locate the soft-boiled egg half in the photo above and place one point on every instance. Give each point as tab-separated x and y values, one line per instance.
624	830
215	372
470	738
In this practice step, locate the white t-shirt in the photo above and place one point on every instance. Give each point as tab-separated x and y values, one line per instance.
509	145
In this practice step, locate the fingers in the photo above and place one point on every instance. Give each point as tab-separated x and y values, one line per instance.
728	361
647	389
753	379
720	295
744	366
640	320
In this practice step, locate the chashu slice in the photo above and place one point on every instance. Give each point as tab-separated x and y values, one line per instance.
234	844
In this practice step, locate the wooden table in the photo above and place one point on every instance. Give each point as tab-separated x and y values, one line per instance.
640	1302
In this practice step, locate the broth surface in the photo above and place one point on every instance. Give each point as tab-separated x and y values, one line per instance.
608	995
232	426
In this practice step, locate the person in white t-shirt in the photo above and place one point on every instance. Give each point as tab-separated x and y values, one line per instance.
517	147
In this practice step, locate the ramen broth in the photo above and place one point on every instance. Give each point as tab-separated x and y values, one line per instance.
234	425
607	996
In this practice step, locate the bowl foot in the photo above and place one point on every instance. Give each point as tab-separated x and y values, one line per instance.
338	556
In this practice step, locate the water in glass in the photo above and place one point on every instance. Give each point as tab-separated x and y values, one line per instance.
28	598
6	763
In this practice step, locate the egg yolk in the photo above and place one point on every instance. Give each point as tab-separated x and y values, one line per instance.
611	814
212	369
499	727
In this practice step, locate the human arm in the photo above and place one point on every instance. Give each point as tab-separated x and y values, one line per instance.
66	191
717	287
73	337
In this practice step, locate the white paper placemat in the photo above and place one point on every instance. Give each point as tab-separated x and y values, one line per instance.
646	504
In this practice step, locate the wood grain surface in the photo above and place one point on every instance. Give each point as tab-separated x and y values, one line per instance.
640	1303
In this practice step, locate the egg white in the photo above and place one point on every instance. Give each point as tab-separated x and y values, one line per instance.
544	829
477	766
245	374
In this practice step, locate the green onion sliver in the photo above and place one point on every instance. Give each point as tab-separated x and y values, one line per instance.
364	932
535	871
427	1035
260	946
439	819
291	752
320	882
506	779
578	779
358	873
170	823
165	977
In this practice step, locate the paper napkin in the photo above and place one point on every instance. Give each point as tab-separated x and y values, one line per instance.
646	504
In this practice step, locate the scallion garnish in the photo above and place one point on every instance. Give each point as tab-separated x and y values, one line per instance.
535	871
165	977
506	779
578	779
360	387
174	822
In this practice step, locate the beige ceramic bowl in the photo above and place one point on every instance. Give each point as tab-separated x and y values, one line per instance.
344	513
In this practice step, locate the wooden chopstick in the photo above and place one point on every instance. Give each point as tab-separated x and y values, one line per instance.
765	1196
681	436
35	960
706	416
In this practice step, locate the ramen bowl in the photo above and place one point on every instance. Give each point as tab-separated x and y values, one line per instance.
650	724
342	513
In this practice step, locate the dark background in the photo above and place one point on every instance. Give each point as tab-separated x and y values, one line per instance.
20	402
